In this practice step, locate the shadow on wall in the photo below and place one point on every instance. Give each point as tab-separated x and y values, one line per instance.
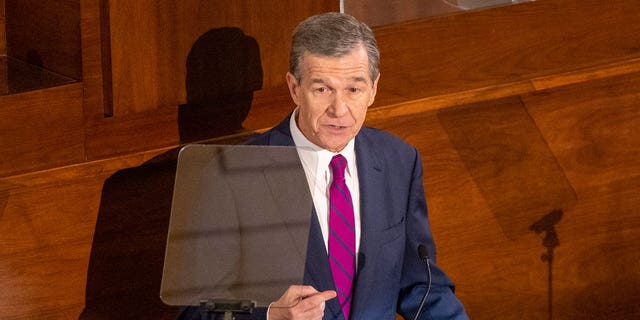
510	162
223	70
514	169
127	254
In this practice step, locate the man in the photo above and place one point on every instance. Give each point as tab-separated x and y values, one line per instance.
380	217
370	214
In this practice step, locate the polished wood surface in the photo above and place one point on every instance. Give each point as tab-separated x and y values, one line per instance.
500	67
493	169
147	51
45	33
19	76
3	52
111	47
526	118
45	242
149	48
504	45
44	126
3	35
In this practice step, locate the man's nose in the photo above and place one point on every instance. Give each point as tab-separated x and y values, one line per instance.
339	105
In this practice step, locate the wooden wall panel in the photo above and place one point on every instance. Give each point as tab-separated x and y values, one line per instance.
489	179
149	47
47	223
594	131
4	82
493	257
492	168
146	52
503	45
510	162
531	45
46	34
487	252
87	241
41	129
3	35
45	240
4	76
92	71
115	136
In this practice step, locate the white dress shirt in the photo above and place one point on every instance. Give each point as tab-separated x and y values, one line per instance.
315	161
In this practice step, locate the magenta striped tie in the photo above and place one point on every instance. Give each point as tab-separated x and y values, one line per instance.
342	235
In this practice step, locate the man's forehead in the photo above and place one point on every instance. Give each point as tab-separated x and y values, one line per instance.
319	78
357	56
323	73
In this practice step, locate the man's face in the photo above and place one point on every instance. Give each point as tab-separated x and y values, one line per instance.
333	96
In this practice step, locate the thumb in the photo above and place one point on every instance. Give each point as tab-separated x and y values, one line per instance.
303	291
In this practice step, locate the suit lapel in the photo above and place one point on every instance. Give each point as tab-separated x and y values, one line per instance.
370	175
289	192
281	134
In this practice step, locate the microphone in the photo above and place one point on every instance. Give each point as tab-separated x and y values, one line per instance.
424	256
422	252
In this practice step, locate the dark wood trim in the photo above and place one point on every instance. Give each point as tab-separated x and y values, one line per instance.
105	43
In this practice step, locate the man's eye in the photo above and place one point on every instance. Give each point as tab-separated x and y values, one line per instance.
354	90
321	90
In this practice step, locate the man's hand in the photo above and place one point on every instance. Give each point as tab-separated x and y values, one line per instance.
300	302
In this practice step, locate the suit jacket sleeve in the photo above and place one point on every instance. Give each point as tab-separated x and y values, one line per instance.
441	302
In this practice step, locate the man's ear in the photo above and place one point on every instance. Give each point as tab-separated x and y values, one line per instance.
293	85
375	90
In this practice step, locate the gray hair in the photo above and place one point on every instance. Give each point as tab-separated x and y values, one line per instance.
332	34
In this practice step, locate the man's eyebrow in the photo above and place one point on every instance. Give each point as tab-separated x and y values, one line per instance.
317	80
352	79
359	79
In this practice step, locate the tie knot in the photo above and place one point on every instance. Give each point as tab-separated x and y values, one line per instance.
338	164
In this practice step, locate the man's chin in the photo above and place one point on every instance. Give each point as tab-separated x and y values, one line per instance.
334	147
334	142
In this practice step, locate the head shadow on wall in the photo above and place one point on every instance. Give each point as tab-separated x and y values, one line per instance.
127	253
223	70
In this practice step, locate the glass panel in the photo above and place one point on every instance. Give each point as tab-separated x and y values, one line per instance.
239	225
17	76
376	13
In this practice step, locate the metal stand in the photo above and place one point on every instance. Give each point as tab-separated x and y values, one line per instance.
209	308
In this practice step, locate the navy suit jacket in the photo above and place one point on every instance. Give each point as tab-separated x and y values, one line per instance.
391	278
